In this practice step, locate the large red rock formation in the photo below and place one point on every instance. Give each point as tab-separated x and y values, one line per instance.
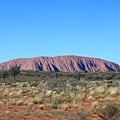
62	63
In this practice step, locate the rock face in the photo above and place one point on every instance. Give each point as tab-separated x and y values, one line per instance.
62	63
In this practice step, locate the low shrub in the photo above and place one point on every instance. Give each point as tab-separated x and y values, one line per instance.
108	112
38	114
117	77
108	77
82	114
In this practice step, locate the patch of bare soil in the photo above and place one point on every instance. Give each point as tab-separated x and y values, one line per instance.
16	112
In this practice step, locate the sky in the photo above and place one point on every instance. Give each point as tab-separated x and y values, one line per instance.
31	28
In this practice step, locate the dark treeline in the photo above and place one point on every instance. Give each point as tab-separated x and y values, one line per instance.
30	75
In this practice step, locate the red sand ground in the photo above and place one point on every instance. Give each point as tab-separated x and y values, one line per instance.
30	116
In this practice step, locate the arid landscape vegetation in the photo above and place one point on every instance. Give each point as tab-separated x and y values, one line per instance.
59	60
37	95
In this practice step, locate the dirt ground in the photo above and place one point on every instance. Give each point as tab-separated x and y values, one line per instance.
13	112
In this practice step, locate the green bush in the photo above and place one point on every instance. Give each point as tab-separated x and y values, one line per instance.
108	77
95	77
38	114
88	77
108	112
117	77
82	114
76	75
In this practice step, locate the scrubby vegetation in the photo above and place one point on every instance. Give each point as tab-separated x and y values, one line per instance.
58	95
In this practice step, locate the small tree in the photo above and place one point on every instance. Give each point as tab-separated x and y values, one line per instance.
76	75
14	71
4	74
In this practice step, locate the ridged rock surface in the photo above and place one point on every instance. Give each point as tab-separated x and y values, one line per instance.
62	63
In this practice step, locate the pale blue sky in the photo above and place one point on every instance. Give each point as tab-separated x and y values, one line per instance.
31	28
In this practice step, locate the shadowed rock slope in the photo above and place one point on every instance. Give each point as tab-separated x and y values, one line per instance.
62	63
